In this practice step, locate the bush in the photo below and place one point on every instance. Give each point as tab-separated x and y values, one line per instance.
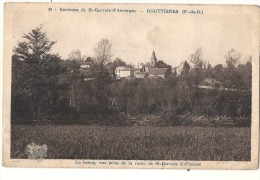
169	115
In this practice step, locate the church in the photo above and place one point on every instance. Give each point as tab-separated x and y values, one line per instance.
142	70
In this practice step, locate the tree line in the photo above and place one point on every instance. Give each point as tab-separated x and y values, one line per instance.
45	86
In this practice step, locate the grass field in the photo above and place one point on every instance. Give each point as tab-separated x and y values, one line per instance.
132	143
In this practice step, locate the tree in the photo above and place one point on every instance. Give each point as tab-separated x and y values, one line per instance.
197	74
197	59
103	52
218	69
245	72
116	63
89	59
100	71
232	58
119	62
186	68
35	46
76	55
32	65
231	76
162	64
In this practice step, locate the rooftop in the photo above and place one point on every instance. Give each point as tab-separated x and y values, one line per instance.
157	71
122	68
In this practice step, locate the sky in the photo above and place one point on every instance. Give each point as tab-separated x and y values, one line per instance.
173	37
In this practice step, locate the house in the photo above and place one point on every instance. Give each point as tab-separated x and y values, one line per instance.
183	68
85	69
123	72
157	72
142	70
84	64
210	83
179	69
140	75
151	70
136	70
174	71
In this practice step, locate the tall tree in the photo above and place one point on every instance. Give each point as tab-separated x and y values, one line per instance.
103	52
231	76
76	75
35	46
186	68
100	71
32	64
197	74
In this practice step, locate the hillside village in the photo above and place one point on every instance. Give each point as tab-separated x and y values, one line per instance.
142	70
46	86
150	70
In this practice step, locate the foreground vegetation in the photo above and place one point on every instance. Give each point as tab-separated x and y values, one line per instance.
132	143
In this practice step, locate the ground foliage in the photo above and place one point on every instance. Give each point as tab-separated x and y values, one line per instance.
134	143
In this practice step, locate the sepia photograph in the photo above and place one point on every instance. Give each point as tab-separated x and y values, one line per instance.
131	86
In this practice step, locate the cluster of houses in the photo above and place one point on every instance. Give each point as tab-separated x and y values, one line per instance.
147	70
141	70
138	71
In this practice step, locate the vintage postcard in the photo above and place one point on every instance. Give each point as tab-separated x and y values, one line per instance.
159	86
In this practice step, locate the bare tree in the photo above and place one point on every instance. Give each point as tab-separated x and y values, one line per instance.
100	72
103	52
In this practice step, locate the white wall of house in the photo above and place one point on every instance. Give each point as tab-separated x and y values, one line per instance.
85	66
179	69
122	74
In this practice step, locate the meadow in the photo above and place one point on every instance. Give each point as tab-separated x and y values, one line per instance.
134	143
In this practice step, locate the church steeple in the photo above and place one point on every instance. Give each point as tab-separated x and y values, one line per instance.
153	59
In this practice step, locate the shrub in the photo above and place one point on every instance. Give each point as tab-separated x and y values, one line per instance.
169	115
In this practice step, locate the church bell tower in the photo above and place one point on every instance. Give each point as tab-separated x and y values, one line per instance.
153	59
